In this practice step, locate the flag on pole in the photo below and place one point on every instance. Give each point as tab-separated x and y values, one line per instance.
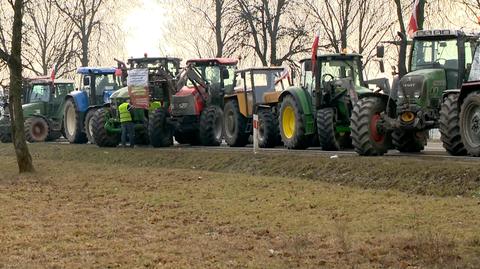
54	72
284	75
315	50
413	24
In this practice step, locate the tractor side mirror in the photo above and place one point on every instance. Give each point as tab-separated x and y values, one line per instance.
225	73
382	66
86	81
380	51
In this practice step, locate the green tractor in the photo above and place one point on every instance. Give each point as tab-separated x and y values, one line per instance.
320	109
42	110
106	129
439	63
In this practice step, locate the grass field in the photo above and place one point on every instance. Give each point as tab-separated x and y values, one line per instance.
95	208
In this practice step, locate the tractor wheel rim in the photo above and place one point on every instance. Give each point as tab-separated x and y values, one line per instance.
374	134
473	130
261	130
71	121
37	131
90	126
218	128
288	122
230	126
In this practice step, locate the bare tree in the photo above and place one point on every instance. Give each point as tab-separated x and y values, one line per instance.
49	39
277	32
88	18
13	59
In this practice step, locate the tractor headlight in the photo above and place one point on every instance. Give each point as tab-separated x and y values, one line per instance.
407	116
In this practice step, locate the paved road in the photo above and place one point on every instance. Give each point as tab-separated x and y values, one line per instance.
434	150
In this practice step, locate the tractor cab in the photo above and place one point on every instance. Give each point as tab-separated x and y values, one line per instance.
99	83
258	86
41	97
440	60
162	72
202	83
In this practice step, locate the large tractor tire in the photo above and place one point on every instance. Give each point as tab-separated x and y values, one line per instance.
36	129
73	124
235	125
5	137
141	135
89	125
328	137
411	142
100	135
292	125
450	126
159	131
268	131
366	139
470	124
191	138
211	126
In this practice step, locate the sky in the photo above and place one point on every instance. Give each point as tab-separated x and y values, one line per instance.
145	26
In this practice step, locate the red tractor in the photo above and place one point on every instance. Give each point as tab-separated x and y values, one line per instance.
195	115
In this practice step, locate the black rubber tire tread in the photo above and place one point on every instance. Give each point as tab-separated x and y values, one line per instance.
141	136
326	129
269	126
100	135
88	116
450	126
210	117
190	138
299	140
159	132
29	123
360	127
5	137
239	138
79	136
404	141
472	149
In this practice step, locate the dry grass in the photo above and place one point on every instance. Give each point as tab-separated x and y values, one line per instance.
81	214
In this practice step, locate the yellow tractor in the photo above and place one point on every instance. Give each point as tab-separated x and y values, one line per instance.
257	91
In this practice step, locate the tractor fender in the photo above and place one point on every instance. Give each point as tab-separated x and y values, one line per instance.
303	98
467	88
80	98
386	98
446	93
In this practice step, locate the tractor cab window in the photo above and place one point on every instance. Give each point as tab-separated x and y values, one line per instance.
61	90
475	69
435	54
307	80
339	70
105	83
40	93
172	68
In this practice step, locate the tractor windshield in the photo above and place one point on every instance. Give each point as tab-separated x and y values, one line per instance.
435	54
40	93
339	69
475	69
213	75
106	82
61	90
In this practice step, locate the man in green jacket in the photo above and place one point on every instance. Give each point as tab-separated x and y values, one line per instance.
128	128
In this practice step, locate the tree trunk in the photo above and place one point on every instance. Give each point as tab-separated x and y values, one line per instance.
24	158
402	57
218	27
85	61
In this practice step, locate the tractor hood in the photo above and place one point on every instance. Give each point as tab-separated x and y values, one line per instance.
33	109
421	86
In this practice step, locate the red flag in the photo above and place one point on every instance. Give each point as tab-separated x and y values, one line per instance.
52	75
315	51
413	24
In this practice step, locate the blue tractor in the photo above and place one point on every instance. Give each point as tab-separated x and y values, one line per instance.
97	84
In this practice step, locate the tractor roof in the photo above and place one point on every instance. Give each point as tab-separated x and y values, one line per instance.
444	33
222	61
96	70
153	60
48	80
253	69
334	55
